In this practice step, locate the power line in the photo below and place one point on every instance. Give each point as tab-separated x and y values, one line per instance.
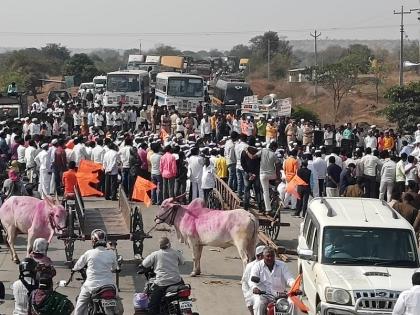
402	43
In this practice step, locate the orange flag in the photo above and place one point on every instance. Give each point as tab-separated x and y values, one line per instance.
291	186
292	294
163	134
141	187
87	173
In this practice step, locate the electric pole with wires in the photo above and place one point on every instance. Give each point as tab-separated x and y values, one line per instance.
315	36
402	43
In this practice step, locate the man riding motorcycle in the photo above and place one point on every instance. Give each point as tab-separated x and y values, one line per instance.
100	263
273	276
165	263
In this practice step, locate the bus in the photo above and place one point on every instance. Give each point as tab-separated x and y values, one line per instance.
99	82
229	95
127	88
183	91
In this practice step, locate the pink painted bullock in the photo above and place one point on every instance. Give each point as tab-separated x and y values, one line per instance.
32	216
199	226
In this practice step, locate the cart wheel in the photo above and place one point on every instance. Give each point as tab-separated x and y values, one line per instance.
215	200
273	229
137	230
69	241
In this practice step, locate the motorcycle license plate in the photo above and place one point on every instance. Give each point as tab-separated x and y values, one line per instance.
109	303
185	305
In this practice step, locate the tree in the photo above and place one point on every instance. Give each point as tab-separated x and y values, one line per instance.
56	55
82	67
360	56
215	53
380	70
241	51
332	54
260	43
164	50
338	78
299	113
404	107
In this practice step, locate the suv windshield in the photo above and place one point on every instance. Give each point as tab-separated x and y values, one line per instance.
186	87
123	83
369	246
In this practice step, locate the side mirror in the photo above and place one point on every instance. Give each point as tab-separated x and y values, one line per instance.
306	254
255	279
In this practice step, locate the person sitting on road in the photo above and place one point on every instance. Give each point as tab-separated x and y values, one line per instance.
24	286
70	181
100	263
274	277
246	279
408	302
165	263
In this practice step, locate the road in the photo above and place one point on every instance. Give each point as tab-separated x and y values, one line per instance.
216	291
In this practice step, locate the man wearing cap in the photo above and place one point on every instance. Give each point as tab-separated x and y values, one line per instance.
371	141
165	263
246	279
44	163
205	128
291	131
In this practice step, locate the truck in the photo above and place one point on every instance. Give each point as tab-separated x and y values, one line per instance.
12	106
243	64
99	82
134	61
174	62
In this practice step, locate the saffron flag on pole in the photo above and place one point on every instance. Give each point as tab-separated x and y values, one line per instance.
141	187
291	187
87	174
293	295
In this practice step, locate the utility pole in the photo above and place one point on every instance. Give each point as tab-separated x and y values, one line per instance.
315	36
402	43
140	48
268	60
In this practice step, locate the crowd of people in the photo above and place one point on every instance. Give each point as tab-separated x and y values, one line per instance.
187	153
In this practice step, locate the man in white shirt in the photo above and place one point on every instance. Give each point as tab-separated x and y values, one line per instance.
408	302
43	161
195	171
274	277
370	164
231	159
79	151
111	165
411	172
205	128
34	127
117	119
371	141
240	173
246	279
77	121
388	171
109	119
30	153
400	173
98	119
320	167
133	118
328	137
98	152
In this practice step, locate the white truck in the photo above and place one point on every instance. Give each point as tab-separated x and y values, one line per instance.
99	82
356	256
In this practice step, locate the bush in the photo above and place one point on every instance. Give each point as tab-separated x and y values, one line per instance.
299	113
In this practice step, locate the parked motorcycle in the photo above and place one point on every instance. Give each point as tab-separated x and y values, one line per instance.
103	300
176	300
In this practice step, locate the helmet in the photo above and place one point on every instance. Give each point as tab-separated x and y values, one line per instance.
98	237
27	267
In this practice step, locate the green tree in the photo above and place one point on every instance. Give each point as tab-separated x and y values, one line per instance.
332	54
82	67
360	56
404	107
241	51
164	50
299	113
260	43
56	55
337	78
380	70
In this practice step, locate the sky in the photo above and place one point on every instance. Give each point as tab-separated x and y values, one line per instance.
197	24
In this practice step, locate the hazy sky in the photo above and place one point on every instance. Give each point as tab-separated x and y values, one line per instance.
196	24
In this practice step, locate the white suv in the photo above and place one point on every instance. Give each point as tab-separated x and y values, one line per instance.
356	255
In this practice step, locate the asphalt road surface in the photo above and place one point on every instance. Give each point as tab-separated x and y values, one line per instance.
216	291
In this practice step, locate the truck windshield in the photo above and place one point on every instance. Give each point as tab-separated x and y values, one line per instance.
123	83
235	94
369	246
100	81
186	87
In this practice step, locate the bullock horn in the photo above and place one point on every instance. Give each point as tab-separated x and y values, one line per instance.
57	201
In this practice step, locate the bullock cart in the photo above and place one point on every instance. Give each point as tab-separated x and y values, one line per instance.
222	197
122	223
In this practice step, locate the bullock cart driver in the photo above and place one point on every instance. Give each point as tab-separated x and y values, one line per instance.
274	278
165	263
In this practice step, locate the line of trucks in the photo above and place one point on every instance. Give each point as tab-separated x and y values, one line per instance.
174	81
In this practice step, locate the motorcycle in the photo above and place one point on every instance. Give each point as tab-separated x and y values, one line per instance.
176	300
280	304
103	300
